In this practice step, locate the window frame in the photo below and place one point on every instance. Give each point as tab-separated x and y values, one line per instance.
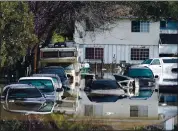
140	26
137	54
94	53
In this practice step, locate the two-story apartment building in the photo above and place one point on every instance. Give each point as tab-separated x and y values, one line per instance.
126	40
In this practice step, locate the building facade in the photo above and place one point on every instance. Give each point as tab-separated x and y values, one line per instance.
126	40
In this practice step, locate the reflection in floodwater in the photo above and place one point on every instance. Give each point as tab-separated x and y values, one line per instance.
29	108
104	98
169	99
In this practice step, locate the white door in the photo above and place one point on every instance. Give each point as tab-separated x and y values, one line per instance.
156	67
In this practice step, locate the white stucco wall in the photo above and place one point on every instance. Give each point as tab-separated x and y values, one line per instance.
119	40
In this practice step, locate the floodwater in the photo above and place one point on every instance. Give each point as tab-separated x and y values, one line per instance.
168	102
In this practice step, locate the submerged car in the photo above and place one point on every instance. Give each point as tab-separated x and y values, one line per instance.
60	72
46	85
26	99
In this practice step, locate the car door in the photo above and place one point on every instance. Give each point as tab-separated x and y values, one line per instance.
156	67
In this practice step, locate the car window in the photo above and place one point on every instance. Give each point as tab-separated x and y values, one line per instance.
24	93
148	61
170	60
156	62
43	85
140	73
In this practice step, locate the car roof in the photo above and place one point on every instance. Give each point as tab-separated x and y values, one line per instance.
53	67
45	75
138	67
31	78
16	86
102	80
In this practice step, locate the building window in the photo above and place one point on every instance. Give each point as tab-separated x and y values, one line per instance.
89	25
138	111
140	26
139	53
94	53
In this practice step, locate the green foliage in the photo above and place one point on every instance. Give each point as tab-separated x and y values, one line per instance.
16	31
57	38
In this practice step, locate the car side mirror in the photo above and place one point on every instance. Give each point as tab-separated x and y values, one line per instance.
156	76
59	90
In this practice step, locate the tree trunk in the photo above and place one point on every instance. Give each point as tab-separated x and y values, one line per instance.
49	36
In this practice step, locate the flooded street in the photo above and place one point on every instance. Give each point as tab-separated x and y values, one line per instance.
167	105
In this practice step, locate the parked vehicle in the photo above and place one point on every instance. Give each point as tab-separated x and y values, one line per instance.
26	99
55	78
165	67
60	72
46	85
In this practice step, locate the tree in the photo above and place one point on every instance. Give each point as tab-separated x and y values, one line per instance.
62	15
155	10
16	31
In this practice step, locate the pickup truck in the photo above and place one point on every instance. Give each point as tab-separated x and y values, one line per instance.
165	68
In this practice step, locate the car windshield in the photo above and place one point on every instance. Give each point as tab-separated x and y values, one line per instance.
24	93
170	60
41	84
58	71
140	73
148	61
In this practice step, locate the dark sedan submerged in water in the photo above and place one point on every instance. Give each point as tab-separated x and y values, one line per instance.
25	99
